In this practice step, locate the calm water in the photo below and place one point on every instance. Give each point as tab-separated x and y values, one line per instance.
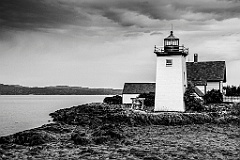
21	112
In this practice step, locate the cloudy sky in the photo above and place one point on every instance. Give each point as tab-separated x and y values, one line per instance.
105	43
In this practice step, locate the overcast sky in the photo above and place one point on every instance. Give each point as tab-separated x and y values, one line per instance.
105	43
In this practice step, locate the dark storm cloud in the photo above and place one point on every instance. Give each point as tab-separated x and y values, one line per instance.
220	9
34	14
38	14
121	11
115	10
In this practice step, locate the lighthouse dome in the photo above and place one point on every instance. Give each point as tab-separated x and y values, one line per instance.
171	40
171	36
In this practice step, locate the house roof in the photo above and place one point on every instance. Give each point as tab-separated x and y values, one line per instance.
206	71
138	88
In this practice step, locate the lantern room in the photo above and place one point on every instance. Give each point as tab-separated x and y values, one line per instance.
171	47
171	43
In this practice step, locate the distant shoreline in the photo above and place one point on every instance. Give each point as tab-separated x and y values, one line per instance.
56	90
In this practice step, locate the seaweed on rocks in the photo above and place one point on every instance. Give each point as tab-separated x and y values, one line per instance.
5	139
99	114
89	115
56	128
80	139
28	138
108	132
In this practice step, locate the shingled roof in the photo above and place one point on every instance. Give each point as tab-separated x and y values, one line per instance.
206	71
138	88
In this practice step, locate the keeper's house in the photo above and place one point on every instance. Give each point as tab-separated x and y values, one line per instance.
205	76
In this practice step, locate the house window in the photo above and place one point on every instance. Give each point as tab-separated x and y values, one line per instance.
168	62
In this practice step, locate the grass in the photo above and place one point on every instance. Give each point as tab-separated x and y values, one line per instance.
207	141
236	109
198	141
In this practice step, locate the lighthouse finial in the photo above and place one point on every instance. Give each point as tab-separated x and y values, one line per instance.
171	32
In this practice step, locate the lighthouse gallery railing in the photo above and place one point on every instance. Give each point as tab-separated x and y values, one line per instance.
162	50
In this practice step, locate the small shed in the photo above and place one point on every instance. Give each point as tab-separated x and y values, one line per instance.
133	90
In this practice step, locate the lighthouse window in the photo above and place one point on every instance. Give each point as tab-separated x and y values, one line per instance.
168	62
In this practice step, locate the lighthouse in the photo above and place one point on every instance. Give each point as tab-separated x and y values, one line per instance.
171	75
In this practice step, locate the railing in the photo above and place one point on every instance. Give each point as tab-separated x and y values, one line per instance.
163	50
231	98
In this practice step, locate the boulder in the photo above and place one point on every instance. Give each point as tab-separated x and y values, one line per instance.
32	138
5	140
152	158
55	128
80	138
107	133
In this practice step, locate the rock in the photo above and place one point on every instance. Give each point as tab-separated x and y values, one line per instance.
88	150
87	115
95	122
101	139
35	150
28	138
5	139
80	139
123	150
138	152
2	151
127	142
8	146
31	138
227	119
109	132
83	120
55	127
93	115
151	158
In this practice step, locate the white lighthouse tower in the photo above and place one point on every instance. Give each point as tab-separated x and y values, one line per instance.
171	77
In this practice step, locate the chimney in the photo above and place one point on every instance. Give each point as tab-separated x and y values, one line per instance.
195	58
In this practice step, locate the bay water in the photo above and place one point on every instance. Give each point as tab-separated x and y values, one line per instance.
22	112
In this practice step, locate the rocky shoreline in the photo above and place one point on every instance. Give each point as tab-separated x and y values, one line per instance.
98	131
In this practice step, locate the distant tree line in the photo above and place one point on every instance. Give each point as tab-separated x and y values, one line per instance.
58	90
232	90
